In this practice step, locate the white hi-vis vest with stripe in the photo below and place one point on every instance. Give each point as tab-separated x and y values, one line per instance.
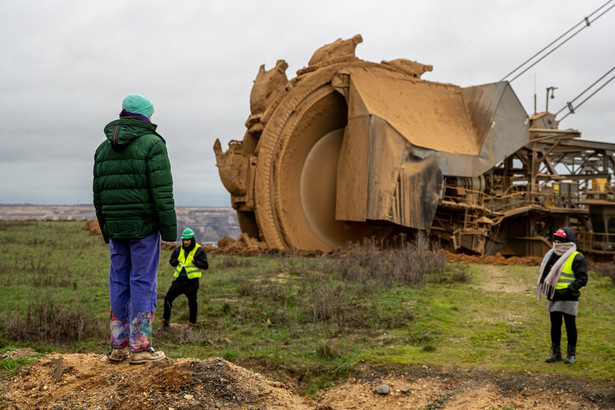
185	262
567	276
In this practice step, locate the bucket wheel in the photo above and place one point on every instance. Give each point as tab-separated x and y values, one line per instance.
295	181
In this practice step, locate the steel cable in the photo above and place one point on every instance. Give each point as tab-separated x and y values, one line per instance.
569	104
585	21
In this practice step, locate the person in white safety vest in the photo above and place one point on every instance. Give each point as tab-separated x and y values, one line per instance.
188	259
563	272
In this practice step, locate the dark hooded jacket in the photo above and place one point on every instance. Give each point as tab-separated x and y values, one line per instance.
579	269
133	186
199	260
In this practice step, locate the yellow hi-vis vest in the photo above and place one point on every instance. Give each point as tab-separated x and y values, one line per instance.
567	276
185	262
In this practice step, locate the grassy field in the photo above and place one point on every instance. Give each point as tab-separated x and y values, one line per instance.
312	319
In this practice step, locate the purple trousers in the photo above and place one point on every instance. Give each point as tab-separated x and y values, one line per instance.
133	287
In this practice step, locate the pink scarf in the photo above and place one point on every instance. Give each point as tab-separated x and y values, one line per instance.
563	250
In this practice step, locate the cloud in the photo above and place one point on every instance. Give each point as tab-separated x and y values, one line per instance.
65	66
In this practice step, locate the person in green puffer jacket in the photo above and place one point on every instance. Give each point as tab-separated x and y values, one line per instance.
133	197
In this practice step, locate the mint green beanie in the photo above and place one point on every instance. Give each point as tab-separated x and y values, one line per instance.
138	104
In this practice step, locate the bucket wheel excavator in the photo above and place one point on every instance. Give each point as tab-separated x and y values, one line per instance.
351	149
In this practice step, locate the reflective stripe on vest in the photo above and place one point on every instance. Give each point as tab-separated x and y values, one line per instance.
567	276
186	262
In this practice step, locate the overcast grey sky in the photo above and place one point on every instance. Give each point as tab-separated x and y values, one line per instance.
66	65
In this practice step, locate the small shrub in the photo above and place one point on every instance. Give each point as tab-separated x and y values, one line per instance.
275	291
246	288
322	299
406	262
327	350
230	262
46	321
343	369
458	273
290	265
606	269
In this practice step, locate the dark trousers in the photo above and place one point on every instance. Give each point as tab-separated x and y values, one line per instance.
190	289
556	328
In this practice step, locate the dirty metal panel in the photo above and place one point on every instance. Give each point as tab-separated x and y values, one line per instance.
501	123
416	195
353	167
428	115
402	188
399	187
387	153
500	120
470	130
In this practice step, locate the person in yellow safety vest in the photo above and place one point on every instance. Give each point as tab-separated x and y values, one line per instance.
188	259
563	272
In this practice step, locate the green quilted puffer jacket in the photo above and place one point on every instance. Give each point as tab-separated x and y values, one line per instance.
133	185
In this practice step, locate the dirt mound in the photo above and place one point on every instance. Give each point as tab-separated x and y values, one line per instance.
243	245
498	260
93	228
91	381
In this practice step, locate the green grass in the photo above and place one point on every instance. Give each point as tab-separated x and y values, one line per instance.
312	319
11	365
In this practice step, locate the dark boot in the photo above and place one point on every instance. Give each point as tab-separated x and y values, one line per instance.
556	356
164	325
571	356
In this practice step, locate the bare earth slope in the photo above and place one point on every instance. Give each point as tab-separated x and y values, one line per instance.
91	381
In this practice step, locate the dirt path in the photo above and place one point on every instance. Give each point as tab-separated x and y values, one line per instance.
90	381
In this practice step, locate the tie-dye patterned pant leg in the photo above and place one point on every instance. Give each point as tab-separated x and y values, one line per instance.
133	287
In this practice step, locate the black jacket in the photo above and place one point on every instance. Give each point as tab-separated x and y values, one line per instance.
199	260
579	268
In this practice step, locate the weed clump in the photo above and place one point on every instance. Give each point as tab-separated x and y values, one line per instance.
47	321
230	262
408	262
606	269
327	350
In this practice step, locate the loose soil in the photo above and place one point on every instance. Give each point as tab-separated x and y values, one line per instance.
59	381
